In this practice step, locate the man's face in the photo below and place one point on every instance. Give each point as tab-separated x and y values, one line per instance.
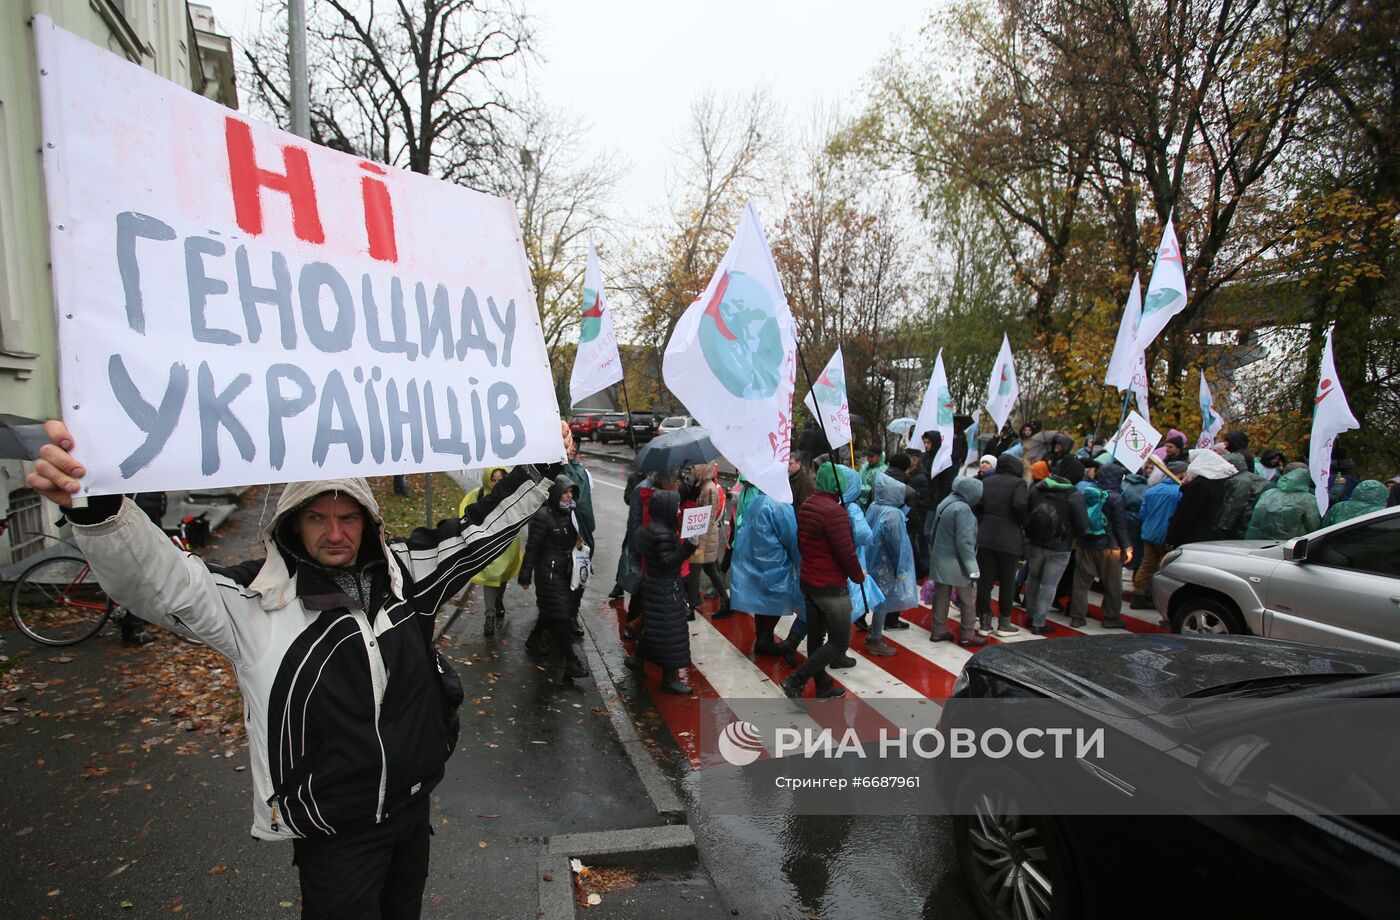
331	528
1172	450
928	443
794	465
1091	472
872	459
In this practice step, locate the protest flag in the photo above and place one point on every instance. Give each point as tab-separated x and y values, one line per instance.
936	414
1122	364
732	361
1002	387
828	400
1331	416
597	364
1166	290
1211	420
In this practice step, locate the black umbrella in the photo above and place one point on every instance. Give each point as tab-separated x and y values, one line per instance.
676	449
21	438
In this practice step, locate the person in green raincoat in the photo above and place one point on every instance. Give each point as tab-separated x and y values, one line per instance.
1368	496
506	566
1285	512
870	470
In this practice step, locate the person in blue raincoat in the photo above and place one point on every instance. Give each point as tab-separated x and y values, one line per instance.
889	559
763	569
864	597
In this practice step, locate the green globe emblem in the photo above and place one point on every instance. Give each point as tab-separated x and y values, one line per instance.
740	338
592	322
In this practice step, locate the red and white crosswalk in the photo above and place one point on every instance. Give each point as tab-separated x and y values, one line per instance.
725	668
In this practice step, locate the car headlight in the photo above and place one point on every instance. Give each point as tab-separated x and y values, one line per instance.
961	683
1170	557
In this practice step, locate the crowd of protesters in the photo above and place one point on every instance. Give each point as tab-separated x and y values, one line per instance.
1031	519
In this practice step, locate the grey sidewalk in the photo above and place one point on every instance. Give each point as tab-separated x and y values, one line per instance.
128	793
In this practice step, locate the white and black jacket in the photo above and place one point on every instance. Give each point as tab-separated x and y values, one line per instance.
344	708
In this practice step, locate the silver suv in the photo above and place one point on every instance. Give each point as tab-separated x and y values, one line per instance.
1337	586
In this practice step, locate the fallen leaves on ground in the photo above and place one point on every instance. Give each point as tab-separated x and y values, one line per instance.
592	882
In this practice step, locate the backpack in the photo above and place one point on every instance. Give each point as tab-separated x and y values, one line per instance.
1094	500
1046	524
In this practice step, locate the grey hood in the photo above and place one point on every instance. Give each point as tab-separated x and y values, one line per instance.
275	583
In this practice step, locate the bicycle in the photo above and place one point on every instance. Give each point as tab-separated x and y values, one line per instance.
57	600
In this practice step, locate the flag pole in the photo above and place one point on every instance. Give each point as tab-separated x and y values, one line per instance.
627	409
821	423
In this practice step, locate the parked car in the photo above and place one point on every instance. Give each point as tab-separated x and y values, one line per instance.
676	423
612	426
1336	586
643	426
1226	822
585	425
617	426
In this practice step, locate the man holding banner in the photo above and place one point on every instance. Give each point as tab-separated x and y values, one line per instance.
351	714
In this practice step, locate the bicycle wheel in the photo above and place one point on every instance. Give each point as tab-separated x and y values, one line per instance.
57	601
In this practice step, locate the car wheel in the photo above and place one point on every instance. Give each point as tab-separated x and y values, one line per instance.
1015	859
1206	616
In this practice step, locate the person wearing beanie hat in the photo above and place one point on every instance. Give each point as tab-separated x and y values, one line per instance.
986	465
1040	470
1070	470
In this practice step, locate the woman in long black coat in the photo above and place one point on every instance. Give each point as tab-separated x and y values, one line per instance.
665	635
549	564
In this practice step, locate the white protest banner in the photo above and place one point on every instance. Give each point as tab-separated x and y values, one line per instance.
1002	388
829	392
732	361
1133	441
236	305
936	414
1166	289
1121	364
1211	420
694	522
597	364
1331	416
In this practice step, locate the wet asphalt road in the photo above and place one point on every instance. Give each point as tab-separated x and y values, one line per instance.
780	865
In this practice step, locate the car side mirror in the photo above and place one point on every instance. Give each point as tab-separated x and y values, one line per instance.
1234	771
1296	549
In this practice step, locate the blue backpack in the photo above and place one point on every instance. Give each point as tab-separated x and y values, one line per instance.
1094	500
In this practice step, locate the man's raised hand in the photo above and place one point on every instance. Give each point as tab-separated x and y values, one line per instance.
56	472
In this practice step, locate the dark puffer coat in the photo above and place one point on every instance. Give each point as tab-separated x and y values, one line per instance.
665	636
1005	504
549	551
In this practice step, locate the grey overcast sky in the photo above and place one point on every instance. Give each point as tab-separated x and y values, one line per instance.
630	68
